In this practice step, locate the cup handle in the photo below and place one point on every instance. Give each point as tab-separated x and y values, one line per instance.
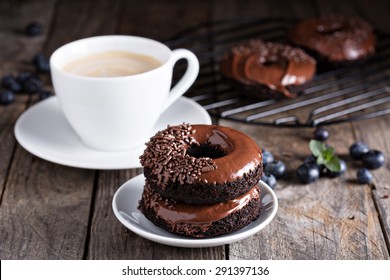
188	78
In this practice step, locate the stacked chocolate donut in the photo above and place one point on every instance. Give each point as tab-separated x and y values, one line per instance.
201	180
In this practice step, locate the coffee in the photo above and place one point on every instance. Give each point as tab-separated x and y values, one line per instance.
117	113
112	64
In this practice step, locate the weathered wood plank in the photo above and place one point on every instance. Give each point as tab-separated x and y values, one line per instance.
376	12
44	212
80	19
161	20
328	219
57	227
14	57
264	9
49	211
376	134
109	239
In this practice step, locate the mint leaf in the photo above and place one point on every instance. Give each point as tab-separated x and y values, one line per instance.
321	160
333	164
325	155
317	147
328	153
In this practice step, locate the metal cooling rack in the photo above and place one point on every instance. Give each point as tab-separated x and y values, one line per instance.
345	94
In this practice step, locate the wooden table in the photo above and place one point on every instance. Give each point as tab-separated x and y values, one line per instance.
50	211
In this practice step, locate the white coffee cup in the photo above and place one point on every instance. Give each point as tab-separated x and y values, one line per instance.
118	113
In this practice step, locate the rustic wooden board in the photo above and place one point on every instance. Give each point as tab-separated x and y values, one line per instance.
372	132
375	134
328	219
57	219
280	8
49	211
108	238
79	19
14	57
44	211
161	20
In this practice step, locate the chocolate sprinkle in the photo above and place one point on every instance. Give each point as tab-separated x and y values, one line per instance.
166	155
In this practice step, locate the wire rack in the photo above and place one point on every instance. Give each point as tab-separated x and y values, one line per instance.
344	94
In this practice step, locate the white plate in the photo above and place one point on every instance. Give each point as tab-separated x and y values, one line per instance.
125	204
43	131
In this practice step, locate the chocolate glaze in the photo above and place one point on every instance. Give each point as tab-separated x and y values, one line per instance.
336	37
273	65
242	153
201	215
168	158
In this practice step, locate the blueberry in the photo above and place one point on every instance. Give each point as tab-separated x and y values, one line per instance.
358	149
9	82
321	134
373	159
333	174
41	63
276	168
32	85
267	157
6	97
313	160
308	173
24	76
310	159
34	29
43	94
269	179
364	176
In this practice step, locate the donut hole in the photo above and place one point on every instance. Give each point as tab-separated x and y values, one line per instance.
329	30
206	150
276	63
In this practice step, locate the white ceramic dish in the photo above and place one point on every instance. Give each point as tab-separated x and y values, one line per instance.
43	131
125	204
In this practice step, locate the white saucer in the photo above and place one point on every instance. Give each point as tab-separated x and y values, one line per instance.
125	204
43	131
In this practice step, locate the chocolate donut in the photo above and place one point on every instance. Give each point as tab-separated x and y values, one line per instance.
267	69
201	164
335	38
200	220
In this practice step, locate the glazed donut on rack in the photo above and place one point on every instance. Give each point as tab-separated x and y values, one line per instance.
335	39
266	69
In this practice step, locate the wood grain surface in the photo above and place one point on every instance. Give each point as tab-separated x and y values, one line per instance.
50	211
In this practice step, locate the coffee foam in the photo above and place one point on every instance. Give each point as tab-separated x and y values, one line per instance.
112	64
